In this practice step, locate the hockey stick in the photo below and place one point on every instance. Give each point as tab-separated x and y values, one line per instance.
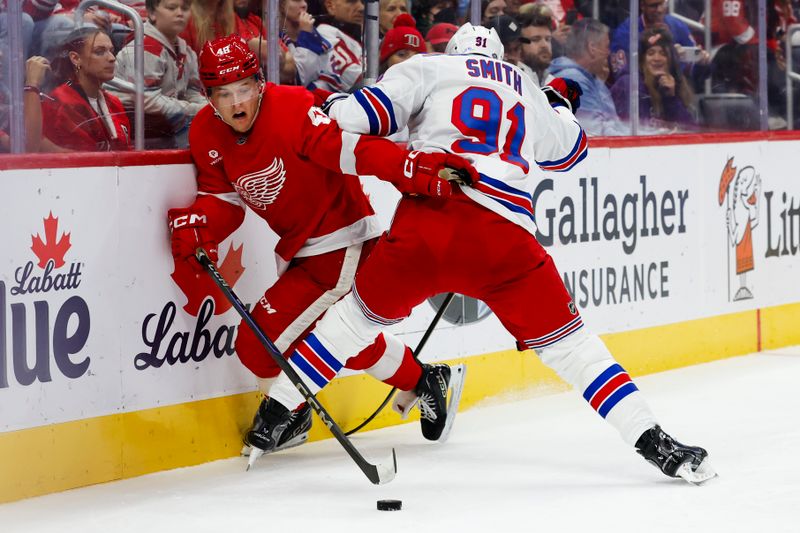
377	474
416	353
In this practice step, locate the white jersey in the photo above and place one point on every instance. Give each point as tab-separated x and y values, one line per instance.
341	69
483	109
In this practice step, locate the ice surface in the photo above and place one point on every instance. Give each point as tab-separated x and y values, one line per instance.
547	464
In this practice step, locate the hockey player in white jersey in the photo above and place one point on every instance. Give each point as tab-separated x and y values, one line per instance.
481	241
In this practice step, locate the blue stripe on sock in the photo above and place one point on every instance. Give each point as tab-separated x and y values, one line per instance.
601	380
324	354
615	398
308	370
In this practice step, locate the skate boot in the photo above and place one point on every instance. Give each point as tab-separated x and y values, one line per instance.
432	392
276	428
437	414
673	458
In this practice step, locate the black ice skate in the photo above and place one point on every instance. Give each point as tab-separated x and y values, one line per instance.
673	458
436	415
276	428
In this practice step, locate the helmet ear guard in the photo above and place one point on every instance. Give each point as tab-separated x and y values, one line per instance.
479	40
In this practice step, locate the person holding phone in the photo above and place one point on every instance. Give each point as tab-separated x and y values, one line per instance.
665	97
653	15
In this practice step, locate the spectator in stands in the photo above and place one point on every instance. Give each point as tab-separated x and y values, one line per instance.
82	116
730	23
537	52
653	14
780	16
54	20
389	11
491	9
248	24
564	12
666	100
559	31
307	46
512	7
439	35
586	62
613	12
401	42
209	19
341	27
173	93
507	29
427	13
36	68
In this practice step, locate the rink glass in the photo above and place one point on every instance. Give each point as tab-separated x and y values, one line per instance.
735	87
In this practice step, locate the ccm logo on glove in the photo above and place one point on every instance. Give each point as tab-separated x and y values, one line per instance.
189	228
408	168
188	220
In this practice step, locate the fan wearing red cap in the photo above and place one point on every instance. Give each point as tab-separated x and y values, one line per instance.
439	35
401	42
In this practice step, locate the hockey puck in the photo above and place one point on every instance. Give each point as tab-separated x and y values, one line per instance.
390	505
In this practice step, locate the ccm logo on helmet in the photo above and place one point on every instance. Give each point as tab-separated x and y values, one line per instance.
227	70
192	219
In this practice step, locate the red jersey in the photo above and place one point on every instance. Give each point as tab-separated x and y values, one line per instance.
296	169
72	122
729	23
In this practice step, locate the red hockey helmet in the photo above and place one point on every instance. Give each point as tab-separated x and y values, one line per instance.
225	60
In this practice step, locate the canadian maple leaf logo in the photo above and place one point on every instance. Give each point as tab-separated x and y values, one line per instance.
197	286
51	248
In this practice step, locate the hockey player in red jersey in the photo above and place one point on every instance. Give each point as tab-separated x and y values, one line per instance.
267	147
481	242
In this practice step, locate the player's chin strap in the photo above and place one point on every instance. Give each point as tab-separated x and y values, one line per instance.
258	107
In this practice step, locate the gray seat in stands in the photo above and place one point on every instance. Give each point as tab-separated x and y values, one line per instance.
728	111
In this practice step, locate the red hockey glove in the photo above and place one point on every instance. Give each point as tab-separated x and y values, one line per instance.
189	231
320	95
563	91
430	174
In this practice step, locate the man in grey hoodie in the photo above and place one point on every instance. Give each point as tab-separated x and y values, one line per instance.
586	62
172	93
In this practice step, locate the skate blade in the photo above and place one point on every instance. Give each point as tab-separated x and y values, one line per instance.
291	443
699	475
456	386
247	451
255	453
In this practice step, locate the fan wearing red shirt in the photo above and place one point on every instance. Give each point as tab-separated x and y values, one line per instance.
80	115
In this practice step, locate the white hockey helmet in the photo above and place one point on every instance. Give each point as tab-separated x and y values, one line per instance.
471	39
